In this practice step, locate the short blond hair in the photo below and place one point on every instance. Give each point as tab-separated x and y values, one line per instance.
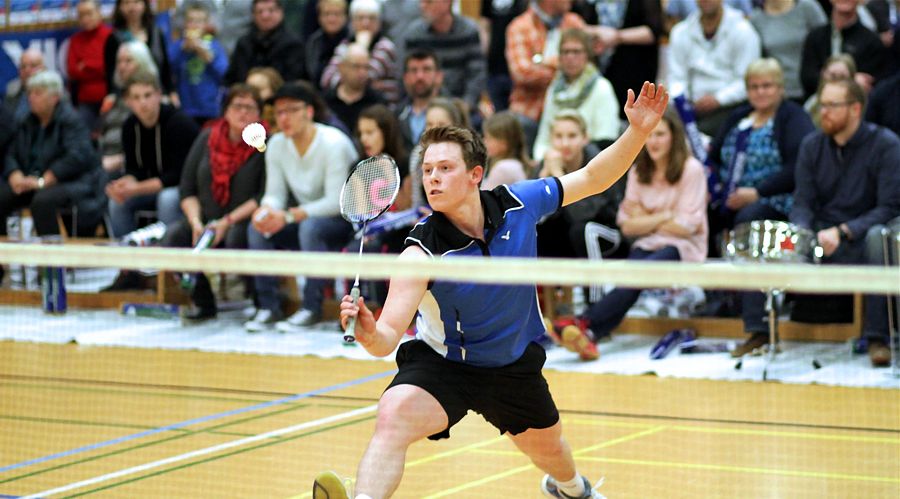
764	67
570	115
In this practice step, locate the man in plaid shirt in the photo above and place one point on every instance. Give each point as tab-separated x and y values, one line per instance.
532	52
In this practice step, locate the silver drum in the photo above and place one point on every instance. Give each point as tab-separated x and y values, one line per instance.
772	241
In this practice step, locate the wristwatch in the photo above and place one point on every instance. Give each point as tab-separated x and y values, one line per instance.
289	217
40	182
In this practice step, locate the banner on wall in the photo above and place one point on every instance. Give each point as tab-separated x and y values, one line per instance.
54	44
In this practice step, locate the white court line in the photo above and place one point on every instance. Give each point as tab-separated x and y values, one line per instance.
201	452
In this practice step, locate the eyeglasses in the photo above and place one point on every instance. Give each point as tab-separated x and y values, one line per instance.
566	52
250	108
825	106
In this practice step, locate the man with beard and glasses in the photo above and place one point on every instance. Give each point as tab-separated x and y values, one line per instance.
847	186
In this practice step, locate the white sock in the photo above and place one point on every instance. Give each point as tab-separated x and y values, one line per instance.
574	487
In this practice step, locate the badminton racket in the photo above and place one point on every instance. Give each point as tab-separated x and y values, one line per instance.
369	191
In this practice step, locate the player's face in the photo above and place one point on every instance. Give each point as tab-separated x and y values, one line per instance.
659	143
370	136
445	178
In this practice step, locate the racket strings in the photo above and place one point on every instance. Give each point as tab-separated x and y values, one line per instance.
370	189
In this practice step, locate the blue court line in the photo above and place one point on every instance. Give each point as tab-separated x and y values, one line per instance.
189	422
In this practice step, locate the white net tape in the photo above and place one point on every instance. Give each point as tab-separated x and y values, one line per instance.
794	277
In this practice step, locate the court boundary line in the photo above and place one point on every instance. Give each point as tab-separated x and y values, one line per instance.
206	450
202	419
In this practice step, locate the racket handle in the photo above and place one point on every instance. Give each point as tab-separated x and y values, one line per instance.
350	332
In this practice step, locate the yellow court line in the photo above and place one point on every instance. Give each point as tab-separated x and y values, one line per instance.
504	474
739	431
745	469
719	467
434	457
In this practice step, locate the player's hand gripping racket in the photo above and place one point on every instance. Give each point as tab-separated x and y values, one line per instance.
369	191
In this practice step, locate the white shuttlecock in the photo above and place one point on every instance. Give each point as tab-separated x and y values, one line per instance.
254	135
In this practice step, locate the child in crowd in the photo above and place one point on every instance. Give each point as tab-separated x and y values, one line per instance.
507	151
198	65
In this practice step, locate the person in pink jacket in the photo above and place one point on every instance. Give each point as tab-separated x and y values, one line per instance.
664	212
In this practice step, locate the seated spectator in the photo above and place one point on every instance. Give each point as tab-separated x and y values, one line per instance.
507	155
133	20
50	165
266	81
884	104
456	42
354	92
844	33
755	153
332	30
307	162
708	57
532	53
269	43
847	183
156	138
86	66
16	98
365	23
221	182
422	80
198	66
579	86
783	26
439	112
132	58
627	34
562	234
664	212
887	20
403	13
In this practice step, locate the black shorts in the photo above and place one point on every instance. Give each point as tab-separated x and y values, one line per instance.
513	398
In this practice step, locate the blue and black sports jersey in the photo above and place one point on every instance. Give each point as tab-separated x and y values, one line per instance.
487	325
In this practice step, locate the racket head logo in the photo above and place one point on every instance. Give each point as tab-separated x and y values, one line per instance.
370	189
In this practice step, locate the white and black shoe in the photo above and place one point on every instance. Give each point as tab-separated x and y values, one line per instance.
303	318
262	321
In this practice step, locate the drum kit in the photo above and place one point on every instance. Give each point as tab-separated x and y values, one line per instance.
772	242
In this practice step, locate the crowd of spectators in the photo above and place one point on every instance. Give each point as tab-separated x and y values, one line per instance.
791	95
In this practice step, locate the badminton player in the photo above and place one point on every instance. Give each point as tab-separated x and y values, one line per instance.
475	347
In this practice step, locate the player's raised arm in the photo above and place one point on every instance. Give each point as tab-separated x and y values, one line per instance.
644	113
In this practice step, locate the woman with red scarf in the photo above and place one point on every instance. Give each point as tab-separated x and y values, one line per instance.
221	183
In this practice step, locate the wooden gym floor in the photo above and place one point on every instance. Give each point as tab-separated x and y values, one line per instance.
115	422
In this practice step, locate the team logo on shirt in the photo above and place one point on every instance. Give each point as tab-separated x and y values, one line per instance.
505	237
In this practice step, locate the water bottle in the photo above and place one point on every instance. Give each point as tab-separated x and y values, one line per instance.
206	239
13	233
53	284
